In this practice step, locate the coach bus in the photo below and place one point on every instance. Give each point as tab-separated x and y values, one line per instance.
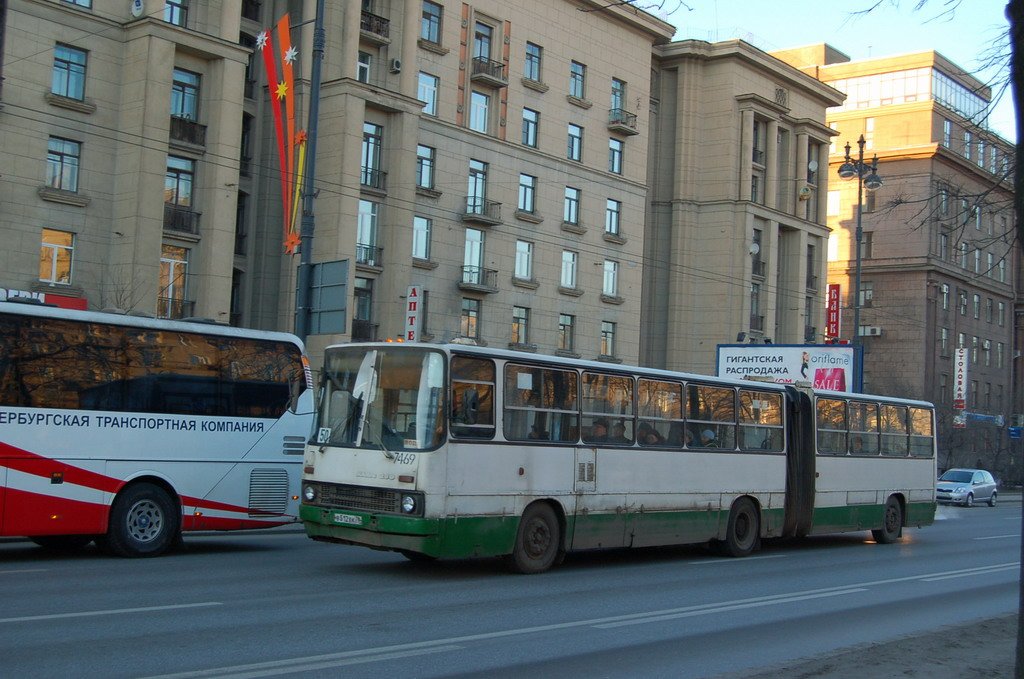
129	430
462	451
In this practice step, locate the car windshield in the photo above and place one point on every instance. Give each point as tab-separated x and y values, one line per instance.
957	476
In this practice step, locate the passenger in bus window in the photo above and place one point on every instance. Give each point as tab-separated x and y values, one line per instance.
619	434
708	439
599	431
538	432
856	445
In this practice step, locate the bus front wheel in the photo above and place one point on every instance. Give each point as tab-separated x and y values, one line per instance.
892	523
144	521
538	540
743	530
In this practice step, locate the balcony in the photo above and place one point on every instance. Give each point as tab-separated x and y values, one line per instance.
812	282
187	131
369	255
182	219
477	279
489	72
758	156
759	268
482	211
373	179
251	10
172	307
363	331
757	322
375	28
622	121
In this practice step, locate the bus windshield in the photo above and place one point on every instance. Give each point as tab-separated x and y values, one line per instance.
382	398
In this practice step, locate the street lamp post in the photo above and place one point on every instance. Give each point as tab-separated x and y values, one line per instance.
867	179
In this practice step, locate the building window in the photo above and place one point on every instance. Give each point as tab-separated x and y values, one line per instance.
424	167
610	286
964	251
947	132
79	3
756	195
363	61
612	215
363	313
967	144
185	95
1002	270
421	237
482	38
607	338
68	72
618	100
1001	313
524	260
571	213
575	146
179	181
173	280
943	247
527	186
999	354
569	266
470	318
430	26
476	196
55	256
479	108
867	244
944	201
566	332
760	141
577	80
531	69
366	233
615	155
867	293
520	325
977	306
427	93
373	141
963	303
473	259
944	292
977	260
62	161
944	341
176	12
531	120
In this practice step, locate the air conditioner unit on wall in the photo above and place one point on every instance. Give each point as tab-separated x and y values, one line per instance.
395	66
870	331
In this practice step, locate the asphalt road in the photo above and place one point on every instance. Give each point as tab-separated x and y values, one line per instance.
278	604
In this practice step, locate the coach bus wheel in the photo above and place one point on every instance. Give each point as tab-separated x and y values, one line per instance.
892	523
144	521
538	540
743	530
62	543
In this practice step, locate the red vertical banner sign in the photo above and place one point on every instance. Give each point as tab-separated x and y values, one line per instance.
413	311
291	144
833	324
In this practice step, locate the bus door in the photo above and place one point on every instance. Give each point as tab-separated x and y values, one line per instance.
801	470
600	517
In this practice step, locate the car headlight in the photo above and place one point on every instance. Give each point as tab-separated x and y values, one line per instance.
309	493
408	504
959	491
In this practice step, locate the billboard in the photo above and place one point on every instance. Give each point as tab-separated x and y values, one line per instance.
825	366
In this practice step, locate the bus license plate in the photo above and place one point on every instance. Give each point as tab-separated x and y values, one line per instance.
348	519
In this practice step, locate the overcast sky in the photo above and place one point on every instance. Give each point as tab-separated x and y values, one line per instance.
965	34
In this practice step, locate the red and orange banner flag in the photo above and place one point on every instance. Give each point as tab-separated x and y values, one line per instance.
291	144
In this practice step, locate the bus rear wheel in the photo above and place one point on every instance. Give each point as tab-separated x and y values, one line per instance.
744	529
538	540
144	521
892	523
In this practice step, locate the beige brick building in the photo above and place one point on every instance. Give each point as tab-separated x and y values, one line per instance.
736	231
939	259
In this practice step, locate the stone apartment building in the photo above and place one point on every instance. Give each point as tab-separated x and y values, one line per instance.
940	264
736	224
480	151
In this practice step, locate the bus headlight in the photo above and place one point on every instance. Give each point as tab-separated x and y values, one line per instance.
408	504
309	493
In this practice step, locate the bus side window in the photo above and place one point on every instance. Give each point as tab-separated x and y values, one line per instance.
472	397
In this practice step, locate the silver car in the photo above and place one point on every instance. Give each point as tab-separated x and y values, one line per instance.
965	487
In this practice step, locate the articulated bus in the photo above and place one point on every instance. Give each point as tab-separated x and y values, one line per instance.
129	430
461	451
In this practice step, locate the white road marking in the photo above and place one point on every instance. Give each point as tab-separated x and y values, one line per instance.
998	537
115	611
971	572
723	562
25	570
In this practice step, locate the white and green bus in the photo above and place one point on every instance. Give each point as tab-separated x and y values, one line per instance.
454	451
